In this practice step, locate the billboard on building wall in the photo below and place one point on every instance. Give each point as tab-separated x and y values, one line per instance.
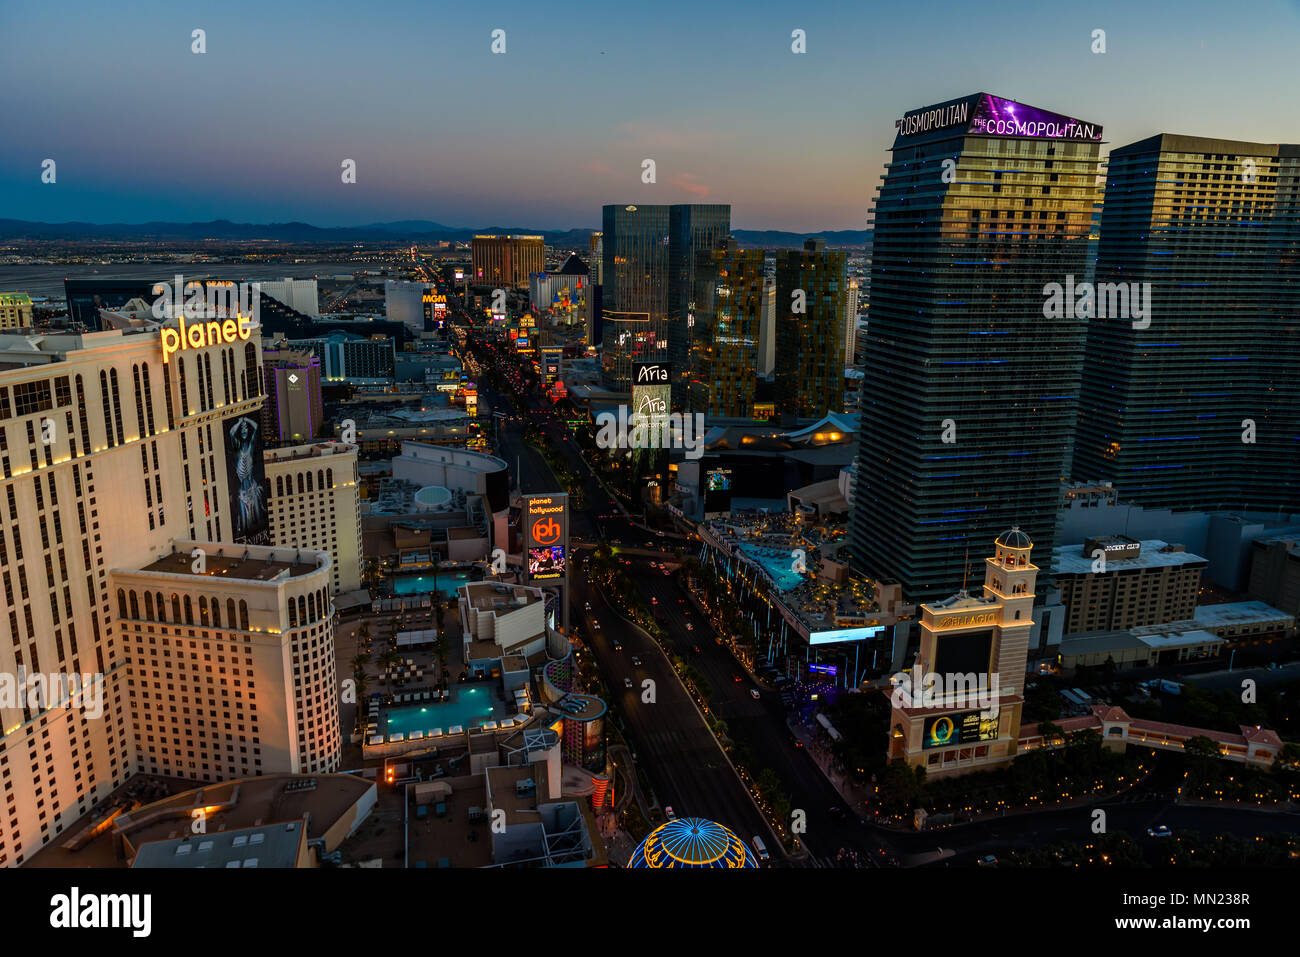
545	520
964	728
246	480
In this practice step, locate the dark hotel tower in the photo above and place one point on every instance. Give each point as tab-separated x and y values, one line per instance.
984	204
810	344
1196	403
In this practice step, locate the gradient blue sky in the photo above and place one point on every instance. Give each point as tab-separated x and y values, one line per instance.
255	129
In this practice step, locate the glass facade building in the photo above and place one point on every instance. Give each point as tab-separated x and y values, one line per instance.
649	268
723	329
1196	403
810	344
970	392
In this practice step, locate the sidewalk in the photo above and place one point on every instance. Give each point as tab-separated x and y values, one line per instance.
854	795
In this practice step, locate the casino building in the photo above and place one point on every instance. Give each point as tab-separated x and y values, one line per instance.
116	454
958	709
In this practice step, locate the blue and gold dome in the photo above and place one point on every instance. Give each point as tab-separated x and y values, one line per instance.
692	842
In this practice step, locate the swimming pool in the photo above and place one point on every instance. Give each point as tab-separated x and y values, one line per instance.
776	563
448	582
469	707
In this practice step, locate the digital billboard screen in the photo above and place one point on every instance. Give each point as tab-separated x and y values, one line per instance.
717	491
967	727
843	634
246	480
963	654
546	562
546	535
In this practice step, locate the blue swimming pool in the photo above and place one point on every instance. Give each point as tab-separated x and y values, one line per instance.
777	563
448	582
469	707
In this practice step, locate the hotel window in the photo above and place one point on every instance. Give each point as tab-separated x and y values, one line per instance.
106	406
117	406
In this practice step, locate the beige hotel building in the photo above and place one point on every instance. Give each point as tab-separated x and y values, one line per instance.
113	462
947	729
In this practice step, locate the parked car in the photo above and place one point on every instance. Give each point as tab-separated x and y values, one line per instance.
753	693
1160	831
988	860
627	682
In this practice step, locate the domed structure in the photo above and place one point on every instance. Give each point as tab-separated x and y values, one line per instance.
1014	538
692	842
432	498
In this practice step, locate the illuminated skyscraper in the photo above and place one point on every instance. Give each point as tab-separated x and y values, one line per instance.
1195	403
970	394
506	261
722	367
648	282
811	298
123	454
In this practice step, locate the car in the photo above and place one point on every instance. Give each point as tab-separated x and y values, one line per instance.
690	626
988	860
636	660
836	811
753	693
618	646
1160	831
627	682
697	649
595	624
668	812
737	679
587	606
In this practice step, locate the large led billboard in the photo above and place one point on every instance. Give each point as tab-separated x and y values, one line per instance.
965	653
545	521
967	727
717	491
546	562
246	480
837	635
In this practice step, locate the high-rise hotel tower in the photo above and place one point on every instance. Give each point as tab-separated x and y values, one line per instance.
1196	402
134	551
650	255
970	391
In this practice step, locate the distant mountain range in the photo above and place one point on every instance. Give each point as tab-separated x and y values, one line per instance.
413	230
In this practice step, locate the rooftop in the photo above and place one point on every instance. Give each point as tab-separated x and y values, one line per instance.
1071	560
499	598
272	845
241	566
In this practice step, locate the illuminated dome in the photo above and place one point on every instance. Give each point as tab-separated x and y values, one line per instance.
1014	538
692	842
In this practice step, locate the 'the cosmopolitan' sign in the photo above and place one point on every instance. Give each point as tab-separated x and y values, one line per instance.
994	116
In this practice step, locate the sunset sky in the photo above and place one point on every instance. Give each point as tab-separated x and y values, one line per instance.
255	129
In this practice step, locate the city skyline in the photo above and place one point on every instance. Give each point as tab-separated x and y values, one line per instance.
277	118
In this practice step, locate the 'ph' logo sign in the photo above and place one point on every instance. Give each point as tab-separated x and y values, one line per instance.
546	531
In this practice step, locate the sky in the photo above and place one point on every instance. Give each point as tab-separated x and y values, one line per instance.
256	129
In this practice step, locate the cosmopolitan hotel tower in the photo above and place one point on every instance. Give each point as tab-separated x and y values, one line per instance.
134	550
970	393
1196	404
